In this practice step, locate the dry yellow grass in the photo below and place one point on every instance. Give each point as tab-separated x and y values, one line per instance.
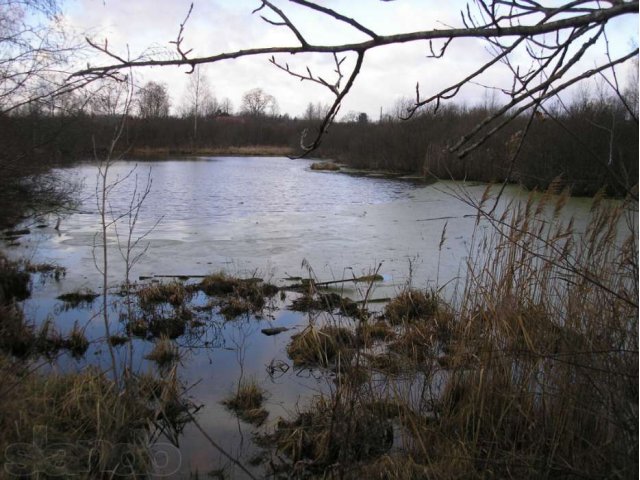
67	425
174	293
247	402
323	347
532	373
165	353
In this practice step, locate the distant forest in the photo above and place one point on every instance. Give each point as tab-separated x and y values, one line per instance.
586	145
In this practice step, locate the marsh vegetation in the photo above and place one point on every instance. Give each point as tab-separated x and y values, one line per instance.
497	381
321	319
492	372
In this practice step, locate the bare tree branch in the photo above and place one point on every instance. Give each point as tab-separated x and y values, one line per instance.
599	16
337	16
285	21
180	38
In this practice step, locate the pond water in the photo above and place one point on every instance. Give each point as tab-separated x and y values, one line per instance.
266	214
267	217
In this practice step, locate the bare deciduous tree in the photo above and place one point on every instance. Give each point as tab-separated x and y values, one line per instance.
315	111
257	102
36	58
108	98
153	100
199	102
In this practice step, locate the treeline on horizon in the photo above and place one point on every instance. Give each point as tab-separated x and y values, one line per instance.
587	145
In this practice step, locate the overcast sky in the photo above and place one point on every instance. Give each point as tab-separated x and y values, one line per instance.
216	26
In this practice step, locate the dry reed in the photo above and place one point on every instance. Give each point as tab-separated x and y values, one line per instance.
531	373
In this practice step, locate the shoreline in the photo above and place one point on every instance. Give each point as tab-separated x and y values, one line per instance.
233	151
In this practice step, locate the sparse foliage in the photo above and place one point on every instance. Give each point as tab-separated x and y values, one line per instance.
35	57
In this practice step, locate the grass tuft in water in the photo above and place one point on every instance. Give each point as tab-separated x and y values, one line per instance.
165	353
238	296
46	269
325	166
313	301
117	340
79	298
247	401
77	342
322	346
370	332
411	305
173	293
330	433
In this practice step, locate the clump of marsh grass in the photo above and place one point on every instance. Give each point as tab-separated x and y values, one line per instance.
369	332
238	296
170	324
312	300
137	327
47	340
235	306
330	434
247	401
411	305
173	293
117	340
218	284
416	344
322	347
164	310
164	353
47	270
16	336
327	166
77	342
159	322
306	303
388	363
83	418
79	298
22	339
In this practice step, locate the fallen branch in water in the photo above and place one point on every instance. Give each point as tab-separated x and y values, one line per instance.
149	277
365	278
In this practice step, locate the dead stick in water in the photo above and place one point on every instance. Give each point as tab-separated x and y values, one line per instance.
149	277
366	278
180	276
